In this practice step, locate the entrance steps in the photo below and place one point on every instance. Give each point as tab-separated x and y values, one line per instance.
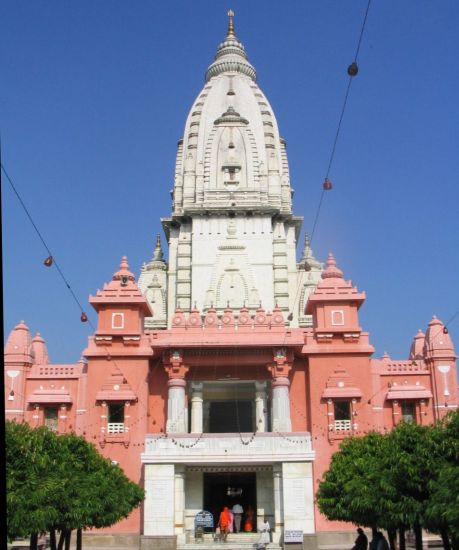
235	541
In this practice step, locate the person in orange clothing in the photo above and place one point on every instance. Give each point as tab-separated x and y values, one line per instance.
248	524
224	522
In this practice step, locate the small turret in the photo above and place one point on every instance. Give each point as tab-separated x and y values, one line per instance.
120	305
309	274
18	348
153	284
438	344
332	271
18	360
308	261
417	346
40	350
158	251
440	357
335	302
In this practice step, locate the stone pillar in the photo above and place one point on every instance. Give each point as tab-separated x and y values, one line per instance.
206	416
281	405
265	497
298	496
395	412
194	498
179	502
196	408
159	500
278	503
261	412
176	416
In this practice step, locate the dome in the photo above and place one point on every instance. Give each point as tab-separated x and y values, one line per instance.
18	347
231	155
40	350
438	342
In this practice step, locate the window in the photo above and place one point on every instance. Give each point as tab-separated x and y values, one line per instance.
408	411
342	412
337	316
50	417
117	320
115	418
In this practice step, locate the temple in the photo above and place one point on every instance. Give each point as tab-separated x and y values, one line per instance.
230	372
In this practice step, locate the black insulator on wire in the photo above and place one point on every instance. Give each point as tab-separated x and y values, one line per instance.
48	262
353	69
83	317
445	330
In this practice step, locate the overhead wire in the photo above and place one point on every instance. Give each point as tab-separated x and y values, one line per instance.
352	71
50	260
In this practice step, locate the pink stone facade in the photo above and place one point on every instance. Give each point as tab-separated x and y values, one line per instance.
119	394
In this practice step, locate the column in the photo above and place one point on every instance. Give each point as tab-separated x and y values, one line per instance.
206	416
159	500
62	419
179	502
278	502
261	416
395	412
281	405
298	496
196	408
176	406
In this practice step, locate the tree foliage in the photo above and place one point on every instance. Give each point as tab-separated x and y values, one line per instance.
408	478
61	482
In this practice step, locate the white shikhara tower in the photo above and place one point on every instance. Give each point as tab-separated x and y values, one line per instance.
232	235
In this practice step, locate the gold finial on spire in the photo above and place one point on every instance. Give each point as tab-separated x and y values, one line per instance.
230	23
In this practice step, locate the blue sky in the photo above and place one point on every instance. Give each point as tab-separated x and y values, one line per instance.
94	96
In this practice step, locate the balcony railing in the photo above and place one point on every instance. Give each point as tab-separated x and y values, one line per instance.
265	447
115	428
343	426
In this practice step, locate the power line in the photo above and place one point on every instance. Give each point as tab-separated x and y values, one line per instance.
50	260
352	71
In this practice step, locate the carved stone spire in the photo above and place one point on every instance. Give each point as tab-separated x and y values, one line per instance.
230	24
158	252
332	271
308	259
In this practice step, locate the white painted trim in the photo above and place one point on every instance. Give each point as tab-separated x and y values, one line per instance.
115	317
333	312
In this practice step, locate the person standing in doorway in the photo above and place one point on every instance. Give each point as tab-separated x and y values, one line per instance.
224	523
231	524
238	510
248	525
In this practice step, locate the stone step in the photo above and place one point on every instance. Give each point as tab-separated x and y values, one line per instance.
234	541
228	545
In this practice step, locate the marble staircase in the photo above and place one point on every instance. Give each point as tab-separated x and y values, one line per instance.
235	541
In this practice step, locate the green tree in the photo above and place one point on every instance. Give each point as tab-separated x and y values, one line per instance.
350	488
442	511
30	483
407	478
407	466
61	483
